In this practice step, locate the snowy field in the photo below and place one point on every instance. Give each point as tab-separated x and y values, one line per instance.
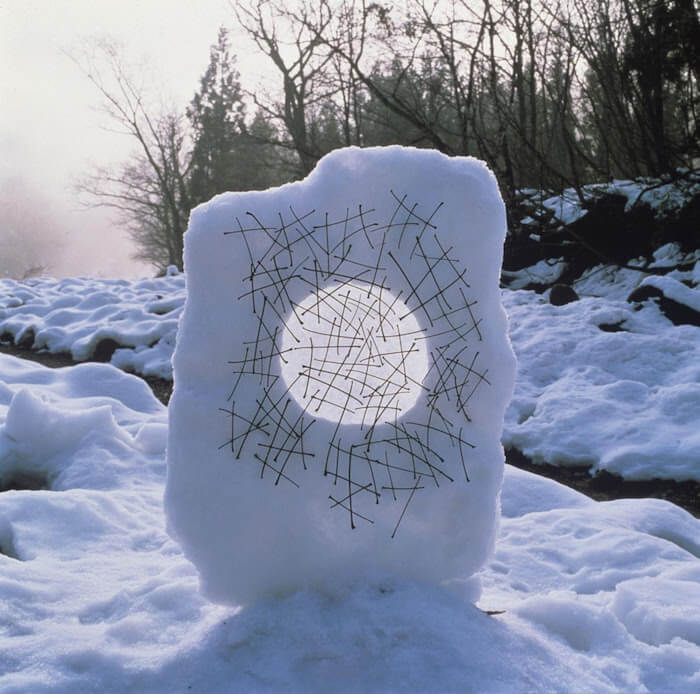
637	389
131	323
636	403
587	596
591	597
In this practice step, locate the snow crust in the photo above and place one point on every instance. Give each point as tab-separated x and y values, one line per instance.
94	596
637	391
266	493
74	315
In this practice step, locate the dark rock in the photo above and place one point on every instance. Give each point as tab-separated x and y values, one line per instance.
604	485
612	327
609	232
161	388
605	481
104	349
24	480
643	294
677	313
27	340
681	227
562	294
537	287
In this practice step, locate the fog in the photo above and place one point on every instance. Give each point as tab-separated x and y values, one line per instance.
41	234
52	133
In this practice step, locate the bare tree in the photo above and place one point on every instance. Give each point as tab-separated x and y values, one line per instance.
290	40
640	86
463	77
150	190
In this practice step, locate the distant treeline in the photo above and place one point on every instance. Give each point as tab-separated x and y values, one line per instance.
551	94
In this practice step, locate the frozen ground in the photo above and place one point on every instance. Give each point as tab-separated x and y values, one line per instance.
94	597
637	390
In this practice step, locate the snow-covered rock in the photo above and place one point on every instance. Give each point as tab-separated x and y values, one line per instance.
679	302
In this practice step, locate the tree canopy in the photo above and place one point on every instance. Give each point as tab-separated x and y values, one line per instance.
549	94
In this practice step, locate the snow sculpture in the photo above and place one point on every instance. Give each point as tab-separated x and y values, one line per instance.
341	374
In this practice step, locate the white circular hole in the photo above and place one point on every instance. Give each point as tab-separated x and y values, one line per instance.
355	354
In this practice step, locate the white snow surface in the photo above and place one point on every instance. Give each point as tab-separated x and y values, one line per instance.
613	282
543	272
627	402
634	410
73	315
380	270
95	597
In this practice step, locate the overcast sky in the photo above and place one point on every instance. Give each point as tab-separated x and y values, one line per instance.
49	128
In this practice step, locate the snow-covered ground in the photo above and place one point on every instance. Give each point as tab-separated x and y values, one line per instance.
587	596
86	318
605	382
592	597
626	401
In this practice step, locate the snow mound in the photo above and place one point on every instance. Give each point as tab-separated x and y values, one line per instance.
46	442
637	390
341	373
133	324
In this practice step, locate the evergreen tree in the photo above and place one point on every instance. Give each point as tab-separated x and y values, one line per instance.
217	117
271	163
661	62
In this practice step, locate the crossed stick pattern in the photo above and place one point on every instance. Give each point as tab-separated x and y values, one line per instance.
357	352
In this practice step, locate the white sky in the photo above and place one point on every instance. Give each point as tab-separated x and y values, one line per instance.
49	128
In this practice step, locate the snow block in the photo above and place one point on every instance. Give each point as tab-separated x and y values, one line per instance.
341	374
